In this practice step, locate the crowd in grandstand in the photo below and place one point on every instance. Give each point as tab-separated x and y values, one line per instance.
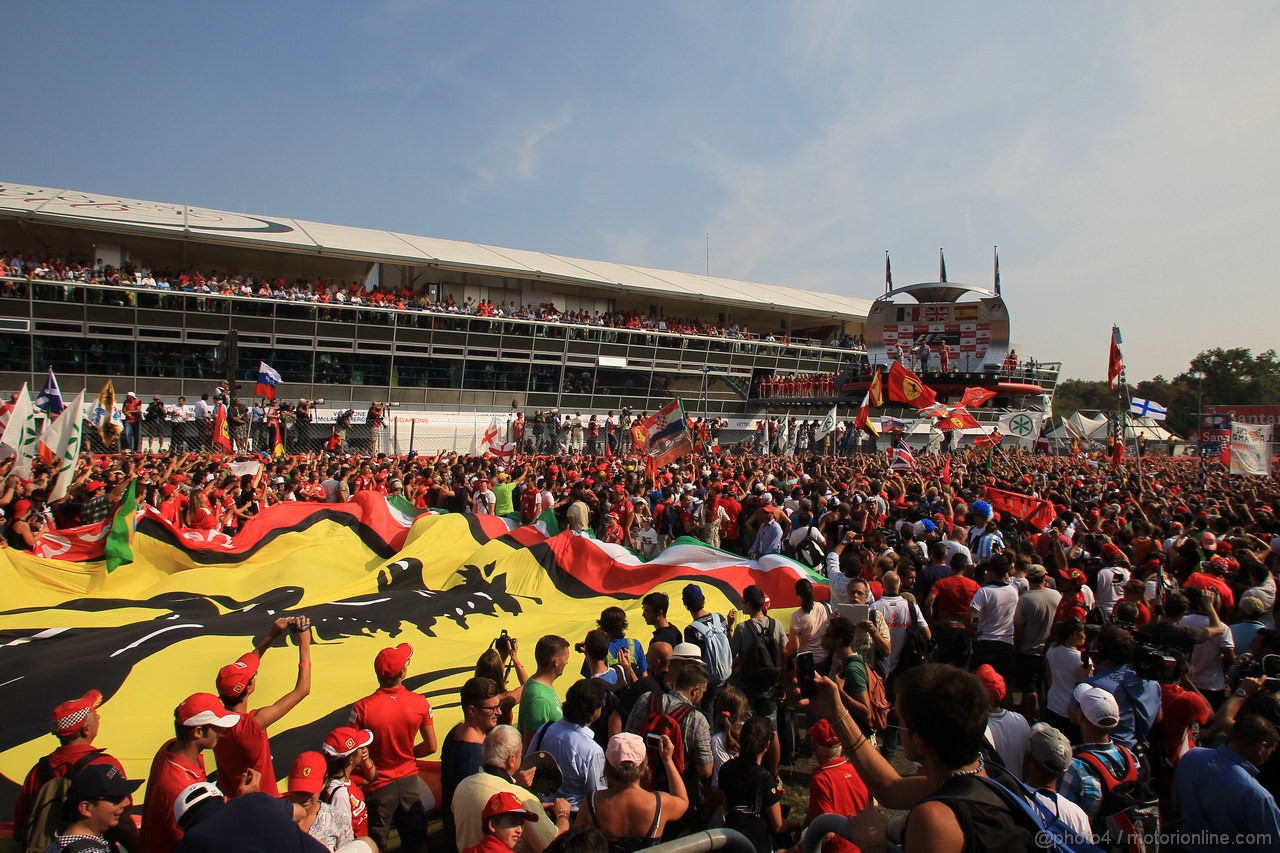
356	294
1113	663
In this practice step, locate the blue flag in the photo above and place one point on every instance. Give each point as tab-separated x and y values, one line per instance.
49	400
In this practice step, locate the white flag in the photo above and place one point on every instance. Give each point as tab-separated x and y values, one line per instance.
784	437
73	417
55	439
1251	449
1021	425
21	438
827	426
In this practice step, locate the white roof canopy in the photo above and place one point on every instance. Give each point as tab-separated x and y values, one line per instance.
86	210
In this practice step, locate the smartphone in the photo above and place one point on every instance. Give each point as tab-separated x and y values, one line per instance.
805	673
653	740
1271	666
856	613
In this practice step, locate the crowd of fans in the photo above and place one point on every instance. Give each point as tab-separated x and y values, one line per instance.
1117	670
355	294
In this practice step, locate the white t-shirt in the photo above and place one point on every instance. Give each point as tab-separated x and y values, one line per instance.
1064	669
954	548
995	605
897	615
1010	733
1206	658
482	502
810	628
719	755
1071	814
1111	581
648	537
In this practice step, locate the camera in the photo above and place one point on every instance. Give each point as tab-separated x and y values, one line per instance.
653	740
504	642
1154	663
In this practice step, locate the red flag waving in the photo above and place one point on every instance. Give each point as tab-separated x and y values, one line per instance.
946	472
1115	362
876	392
975	397
221	432
906	387
1037	512
958	418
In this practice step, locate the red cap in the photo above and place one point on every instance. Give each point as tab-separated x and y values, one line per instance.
94	485
823	734
168	489
306	776
234	678
345	740
1074	575
21	508
505	802
204	709
992	680
1112	551
70	716
391	662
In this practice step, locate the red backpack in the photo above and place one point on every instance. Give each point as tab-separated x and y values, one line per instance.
669	723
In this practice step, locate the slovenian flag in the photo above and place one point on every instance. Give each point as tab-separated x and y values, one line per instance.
268	379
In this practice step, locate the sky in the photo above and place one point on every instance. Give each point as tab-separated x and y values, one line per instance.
1125	157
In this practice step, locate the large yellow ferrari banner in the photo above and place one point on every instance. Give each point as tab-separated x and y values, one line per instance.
154	631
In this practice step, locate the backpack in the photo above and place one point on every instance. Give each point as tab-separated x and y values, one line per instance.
1050	831
762	663
670	723
45	817
712	637
915	646
1130	809
879	697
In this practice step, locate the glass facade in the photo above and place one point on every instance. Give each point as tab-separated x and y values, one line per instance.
143	338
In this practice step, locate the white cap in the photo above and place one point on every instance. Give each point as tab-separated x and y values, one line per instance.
1098	706
192	795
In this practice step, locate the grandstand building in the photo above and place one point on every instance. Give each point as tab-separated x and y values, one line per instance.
143	293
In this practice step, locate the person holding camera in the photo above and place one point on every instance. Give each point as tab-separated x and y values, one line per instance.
245	746
1209	659
631	817
1137	698
496	663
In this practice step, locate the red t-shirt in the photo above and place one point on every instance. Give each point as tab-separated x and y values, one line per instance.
243	746
63	759
1200	580
395	716
955	593
169	775
836	788
1179	709
491	844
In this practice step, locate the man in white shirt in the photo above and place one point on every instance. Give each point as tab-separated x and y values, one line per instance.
955	544
991	619
483	500
897	613
1210	659
1007	730
1048	756
1111	578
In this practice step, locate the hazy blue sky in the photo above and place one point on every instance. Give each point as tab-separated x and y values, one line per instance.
1123	156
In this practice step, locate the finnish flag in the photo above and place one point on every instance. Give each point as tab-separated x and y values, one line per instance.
1147	409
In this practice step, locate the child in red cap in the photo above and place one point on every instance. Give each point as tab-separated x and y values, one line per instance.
504	818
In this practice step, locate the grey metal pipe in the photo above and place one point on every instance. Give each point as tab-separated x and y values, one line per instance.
729	840
811	841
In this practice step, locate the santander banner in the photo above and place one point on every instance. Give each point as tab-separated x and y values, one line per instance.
1256	415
